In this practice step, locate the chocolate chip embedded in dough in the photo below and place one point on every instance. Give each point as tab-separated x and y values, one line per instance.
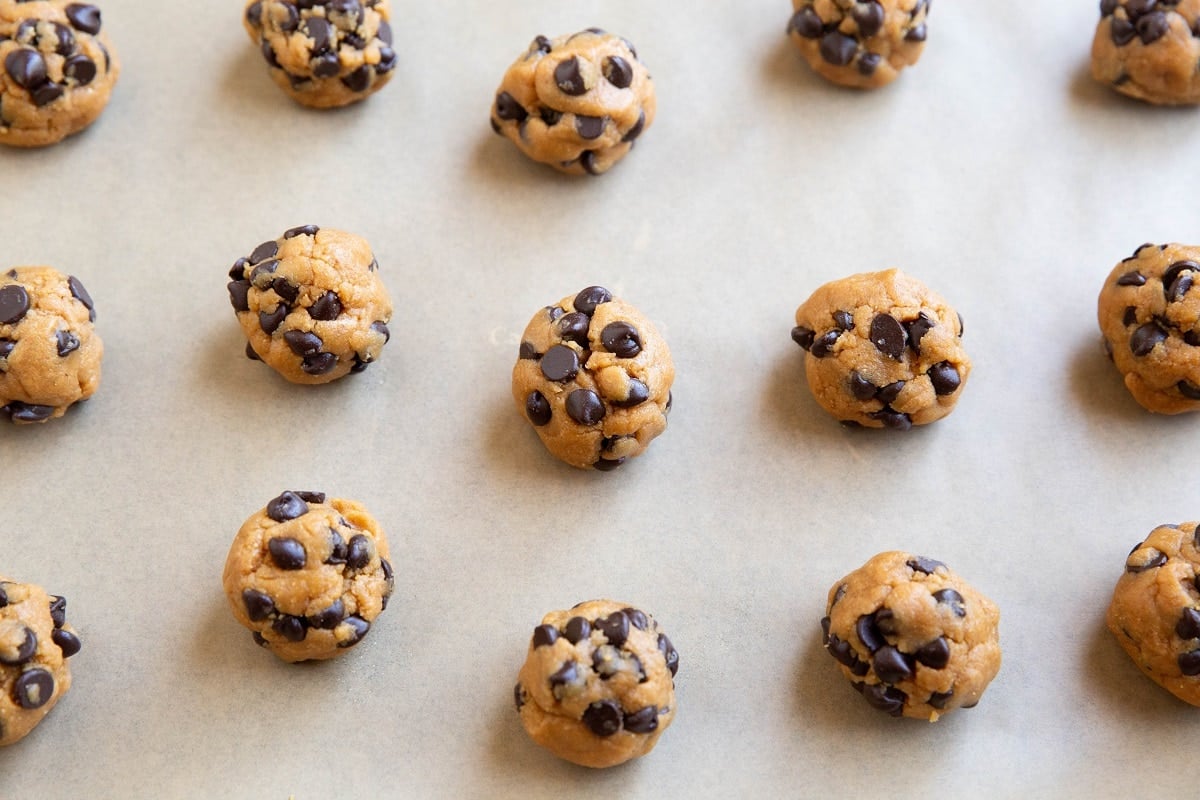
287	553
1142	559
84	17
1188	626
508	109
934	654
888	394
861	388
888	335
587	300
1133	278
18	653
528	352
589	127
81	294
621	339
916	34
67	642
639	393
1146	338
953	599
329	617
823	345
637	128
944	377
270	321
357	627
807	23
33	689
544	636
14	303
27	412
569	78
264	252
319	363
803	336
837	48
615	628
892	419
566	675
1152	27
642	721
576	630
869	17
303	343
574	327
603	718
637	618
286	506
939	700
326	308
259	605
885	698
891	665
27	68
537	408
358	552
925	565
58	610
560	363
584	406
66	343
669	653
1189	663
290	627
239	292
617	71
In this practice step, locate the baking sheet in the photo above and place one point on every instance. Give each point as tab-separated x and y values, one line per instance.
994	170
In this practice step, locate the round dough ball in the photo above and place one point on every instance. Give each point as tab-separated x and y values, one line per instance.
598	685
324	54
58	70
35	643
859	43
308	577
1150	318
594	378
311	304
1155	609
577	103
1149	50
49	351
883	350
914	638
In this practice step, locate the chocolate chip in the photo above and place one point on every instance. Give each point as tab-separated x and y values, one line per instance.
803	336
935	654
869	17
263	275
66	342
528	352
329	618
319	363
287	553
303	343
868	63
939	700
892	419
3	596
621	339
387	61
384	33
944	377
263	252
46	93
80	69
892	666
584	406
550	117
862	389
544	635
507	108
518	696
26	67
358	552
250	354
1188	390
669	653
81	294
576	630
643	721
270	321
14	303
868	633
1107	7
84	17
1152	27
637	128
301	230
589	127
326	308
268	54
888	394
564	676
615	628
287	291
587	300
58	611
806	23
587	160
560	363
537	408
603	718
67	642
1146	338
841	651
888	335
239	292
618	72
380	327
1189	663
292	628
885	698
27	412
953	599
359	628
286	506
574	327
321	33
916	34
1150	558
254	14
568	77
637	619
1123	31
837	48
823	345
1134	278
259	605
638	394
1130	316
33	689
23	652
1189	625
923	564
608	464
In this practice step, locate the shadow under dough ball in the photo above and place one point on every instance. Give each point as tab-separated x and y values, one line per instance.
862	44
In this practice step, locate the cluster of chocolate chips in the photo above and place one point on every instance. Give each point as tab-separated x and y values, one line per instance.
603	717
877	632
288	554
841	45
1147	20
1145	557
34	685
38	38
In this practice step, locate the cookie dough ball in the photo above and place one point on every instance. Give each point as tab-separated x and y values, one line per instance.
914	638
577	103
35	643
49	350
883	350
594	378
859	43
308	577
1150	318
1155	609
1149	50
324	54
311	304
598	685
59	69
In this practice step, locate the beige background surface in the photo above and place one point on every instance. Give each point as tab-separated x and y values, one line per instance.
994	170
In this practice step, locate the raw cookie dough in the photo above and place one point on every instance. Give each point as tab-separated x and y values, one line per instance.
49	350
863	44
35	643
324	54
59	69
598	685
577	103
311	304
1155	609
1149	50
914	638
1150	318
308	577
883	350
593	377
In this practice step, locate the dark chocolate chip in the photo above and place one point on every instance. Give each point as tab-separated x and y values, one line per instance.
262	276
1189	625
868	633
81	294
618	72
837	48
518	696
608	464
825	623
1152	27
843	320
3	596
80	69
358	552
669	653
507	108
329	618
916	33
885	698
643	721
24	651
14	303
384	33
325	65
824	343
952	599
888	394
1130	316
66	343
303	343
1134	278
803	336
568	77
265	251
321	32
587	160
544	635
917	330
560	363
301	230
286	506
576	630
58	611
254	14
1107	7
270	321
67	642
259	605
860	387
637	618
359	628
287	553
1188	390
603	718
537	408
239	292
292	628
615	628
637	128
33	689
326	308
944	377
935	654
564	676
84	17
589	127
587	300
888	335
638	394
868	63
584	406
287	291
806	23
939	700
923	564
250	354
528	352
268	54
891	665
1123	31
574	327
319	363
27	412
258	639
27	68
46	93
892	419
1146	338
621	339
869	17
1189	663
1154	559
541	45
550	117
